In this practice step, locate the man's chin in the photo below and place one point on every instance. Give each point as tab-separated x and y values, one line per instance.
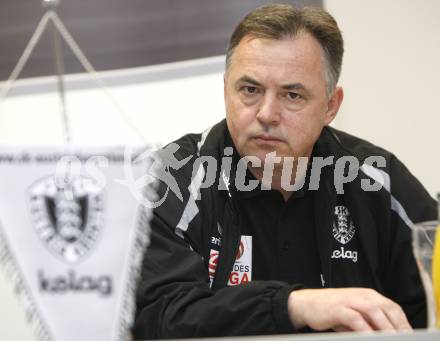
263	156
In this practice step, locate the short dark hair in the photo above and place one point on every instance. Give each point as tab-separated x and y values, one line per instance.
277	21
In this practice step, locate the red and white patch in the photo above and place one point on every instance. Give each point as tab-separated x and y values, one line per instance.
240	251
242	270
213	262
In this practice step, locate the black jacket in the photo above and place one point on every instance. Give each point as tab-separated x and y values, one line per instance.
176	296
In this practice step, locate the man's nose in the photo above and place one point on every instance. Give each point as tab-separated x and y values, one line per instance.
269	112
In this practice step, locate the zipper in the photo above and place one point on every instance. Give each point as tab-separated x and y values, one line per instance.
229	247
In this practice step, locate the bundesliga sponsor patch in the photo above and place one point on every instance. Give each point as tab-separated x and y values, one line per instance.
242	269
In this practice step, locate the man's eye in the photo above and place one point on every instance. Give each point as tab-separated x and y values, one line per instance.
293	95
250	89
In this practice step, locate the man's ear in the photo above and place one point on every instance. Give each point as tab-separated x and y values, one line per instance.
334	104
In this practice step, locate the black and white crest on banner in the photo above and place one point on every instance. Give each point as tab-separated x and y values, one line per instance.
67	218
343	228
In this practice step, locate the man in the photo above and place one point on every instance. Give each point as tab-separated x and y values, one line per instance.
270	243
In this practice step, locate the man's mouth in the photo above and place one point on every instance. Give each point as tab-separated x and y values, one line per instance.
266	139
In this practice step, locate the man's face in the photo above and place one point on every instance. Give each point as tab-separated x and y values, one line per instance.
275	96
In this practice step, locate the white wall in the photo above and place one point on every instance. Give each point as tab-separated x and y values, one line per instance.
391	78
162	110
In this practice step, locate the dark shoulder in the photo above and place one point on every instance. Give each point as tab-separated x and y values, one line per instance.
356	146
207	142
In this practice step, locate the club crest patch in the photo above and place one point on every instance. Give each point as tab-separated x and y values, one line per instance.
343	227
67	219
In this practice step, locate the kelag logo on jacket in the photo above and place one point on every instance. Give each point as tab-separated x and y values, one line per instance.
343	232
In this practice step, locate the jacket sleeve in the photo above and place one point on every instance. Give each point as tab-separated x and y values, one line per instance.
410	204
174	298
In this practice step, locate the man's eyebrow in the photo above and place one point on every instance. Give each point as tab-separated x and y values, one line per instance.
294	86
247	79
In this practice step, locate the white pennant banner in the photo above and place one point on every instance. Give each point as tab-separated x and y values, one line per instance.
72	237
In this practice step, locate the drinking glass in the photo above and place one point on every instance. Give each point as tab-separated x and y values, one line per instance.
423	247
